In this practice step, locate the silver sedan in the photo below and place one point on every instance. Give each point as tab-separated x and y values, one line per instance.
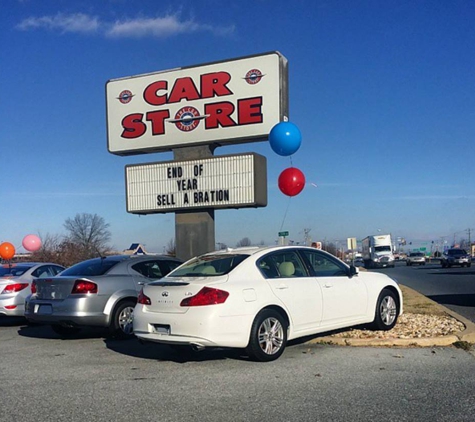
15	283
99	292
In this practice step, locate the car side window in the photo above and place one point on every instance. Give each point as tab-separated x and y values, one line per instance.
46	271
149	269
324	266
282	265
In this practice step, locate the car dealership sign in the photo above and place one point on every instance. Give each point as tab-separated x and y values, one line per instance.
219	103
228	181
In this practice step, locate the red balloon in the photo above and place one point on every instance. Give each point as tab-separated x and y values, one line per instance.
291	181
7	250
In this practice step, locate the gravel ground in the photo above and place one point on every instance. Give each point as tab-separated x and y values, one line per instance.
411	325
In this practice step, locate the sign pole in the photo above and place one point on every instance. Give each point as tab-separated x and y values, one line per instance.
194	231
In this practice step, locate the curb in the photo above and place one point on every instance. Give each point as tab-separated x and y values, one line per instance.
467	335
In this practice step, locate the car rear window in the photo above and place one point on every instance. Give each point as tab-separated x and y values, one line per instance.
209	265
91	267
14	270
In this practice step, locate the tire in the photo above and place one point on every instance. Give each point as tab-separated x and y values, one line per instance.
122	318
268	336
65	332
387	311
444	264
469	265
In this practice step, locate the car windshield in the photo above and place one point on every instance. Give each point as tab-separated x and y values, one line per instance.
457	252
209	265
382	248
91	267
14	270
417	254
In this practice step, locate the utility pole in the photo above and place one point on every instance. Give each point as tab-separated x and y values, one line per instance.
306	237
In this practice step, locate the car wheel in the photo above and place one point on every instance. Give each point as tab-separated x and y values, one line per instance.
469	265
65	332
443	265
387	310
121	325
268	336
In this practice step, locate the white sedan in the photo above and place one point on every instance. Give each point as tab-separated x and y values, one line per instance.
259	298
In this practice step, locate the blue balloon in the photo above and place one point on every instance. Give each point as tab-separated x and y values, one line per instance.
285	138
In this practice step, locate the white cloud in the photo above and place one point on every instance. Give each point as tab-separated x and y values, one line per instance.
77	22
160	27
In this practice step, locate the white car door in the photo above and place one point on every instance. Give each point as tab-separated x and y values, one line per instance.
345	299
300	293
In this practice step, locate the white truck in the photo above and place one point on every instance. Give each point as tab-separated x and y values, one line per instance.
377	251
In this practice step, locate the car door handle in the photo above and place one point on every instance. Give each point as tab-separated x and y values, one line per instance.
282	287
328	286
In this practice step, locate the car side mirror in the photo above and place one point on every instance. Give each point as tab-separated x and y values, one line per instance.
353	271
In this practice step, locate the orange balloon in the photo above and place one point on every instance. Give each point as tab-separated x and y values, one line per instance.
7	250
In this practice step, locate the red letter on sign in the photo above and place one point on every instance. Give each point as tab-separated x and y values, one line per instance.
214	84
150	93
133	126
219	115
184	88
250	111
157	118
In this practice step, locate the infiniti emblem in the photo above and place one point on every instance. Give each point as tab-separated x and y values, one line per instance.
165	294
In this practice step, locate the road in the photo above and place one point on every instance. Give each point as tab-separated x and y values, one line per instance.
452	287
94	379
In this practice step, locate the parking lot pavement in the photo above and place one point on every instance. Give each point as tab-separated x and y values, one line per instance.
90	378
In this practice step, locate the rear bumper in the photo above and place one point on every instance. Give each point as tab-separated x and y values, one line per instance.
202	328
12	306
71	312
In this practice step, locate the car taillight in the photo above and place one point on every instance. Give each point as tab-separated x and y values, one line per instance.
13	288
142	299
206	296
84	286
33	287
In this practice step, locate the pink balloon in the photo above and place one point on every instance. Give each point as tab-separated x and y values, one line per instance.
31	243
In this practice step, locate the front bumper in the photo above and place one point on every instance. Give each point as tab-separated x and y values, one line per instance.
382	264
459	261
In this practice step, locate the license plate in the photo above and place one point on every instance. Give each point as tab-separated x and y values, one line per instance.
44	310
162	329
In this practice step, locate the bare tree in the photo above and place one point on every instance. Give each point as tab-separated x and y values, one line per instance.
49	251
330	248
171	248
88	233
245	241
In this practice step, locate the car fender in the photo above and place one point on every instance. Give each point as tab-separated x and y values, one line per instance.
116	297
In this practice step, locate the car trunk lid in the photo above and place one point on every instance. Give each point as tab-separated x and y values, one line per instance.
56	288
166	295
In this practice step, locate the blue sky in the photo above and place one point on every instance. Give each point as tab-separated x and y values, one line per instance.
382	92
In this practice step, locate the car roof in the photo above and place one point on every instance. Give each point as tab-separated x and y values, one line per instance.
252	250
29	264
136	257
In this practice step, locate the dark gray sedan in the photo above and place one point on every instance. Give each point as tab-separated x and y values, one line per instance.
99	292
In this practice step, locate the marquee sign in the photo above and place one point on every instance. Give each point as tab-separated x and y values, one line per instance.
228	181
219	103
